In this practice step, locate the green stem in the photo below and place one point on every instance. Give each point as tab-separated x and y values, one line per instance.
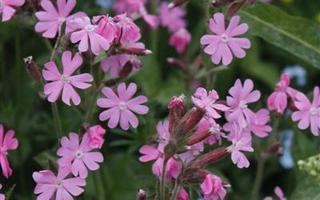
162	194
57	120
259	177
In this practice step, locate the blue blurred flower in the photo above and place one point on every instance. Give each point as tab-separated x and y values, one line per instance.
297	72
286	159
105	3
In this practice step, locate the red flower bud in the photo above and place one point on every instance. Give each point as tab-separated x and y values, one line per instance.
210	158
177	3
176	110
198	137
32	68
188	122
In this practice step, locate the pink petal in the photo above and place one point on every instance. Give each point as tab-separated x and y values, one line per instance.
68	94
109	93
80	81
65	8
53	90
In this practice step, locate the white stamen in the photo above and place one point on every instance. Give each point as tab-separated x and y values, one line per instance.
122	105
90	28
79	154
65	79
313	111
224	38
243	104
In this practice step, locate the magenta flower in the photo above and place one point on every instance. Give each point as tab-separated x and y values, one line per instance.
258	123
308	113
121	106
49	186
172	18
180	40
149	153
240	142
278	100
127	30
207	101
278	192
115	64
8	8
51	18
163	134
65	82
78	155
88	36
7	142
212	188
96	134
225	43
182	194
241	96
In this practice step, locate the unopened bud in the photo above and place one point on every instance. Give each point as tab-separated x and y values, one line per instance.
126	70
210	158
194	175
176	109
177	64
235	7
188	122
141	195
32	68
198	137
176	3
136	51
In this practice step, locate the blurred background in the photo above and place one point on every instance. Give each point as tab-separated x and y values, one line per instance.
23	109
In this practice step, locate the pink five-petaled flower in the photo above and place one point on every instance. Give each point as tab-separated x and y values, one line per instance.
7	142
172	18
240	142
7	8
212	188
308	113
180	39
51	18
278	100
207	101
241	96
65	82
121	106
96	134
60	187
78	155
88	36
224	42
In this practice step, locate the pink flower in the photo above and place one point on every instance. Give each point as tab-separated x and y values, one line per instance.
136	8
207	101
65	82
180	40
257	123
241	96
308	113
182	194
7	142
278	192
212	188
115	64
121	106
240	142
149	153
163	134
106	27
192	153
278	100
224	43
173	169
127	30
172	18
78	155
8	8
87	34
96	134
51	18
49	186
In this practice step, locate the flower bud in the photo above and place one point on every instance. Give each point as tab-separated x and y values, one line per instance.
188	122
210	158
198	137
126	70
235	7
275	149
32	68
178	64
194	175
176	109
141	195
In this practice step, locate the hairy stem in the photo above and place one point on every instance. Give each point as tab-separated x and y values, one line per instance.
259	177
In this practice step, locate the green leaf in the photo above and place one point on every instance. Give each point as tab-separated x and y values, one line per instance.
296	35
307	189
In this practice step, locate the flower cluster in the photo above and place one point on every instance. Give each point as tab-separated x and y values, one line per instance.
179	156
305	112
77	156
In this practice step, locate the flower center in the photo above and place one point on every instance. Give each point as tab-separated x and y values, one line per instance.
58	183
214	129
224	38
65	79
313	111
90	28
79	154
122	105
62	19
243	104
